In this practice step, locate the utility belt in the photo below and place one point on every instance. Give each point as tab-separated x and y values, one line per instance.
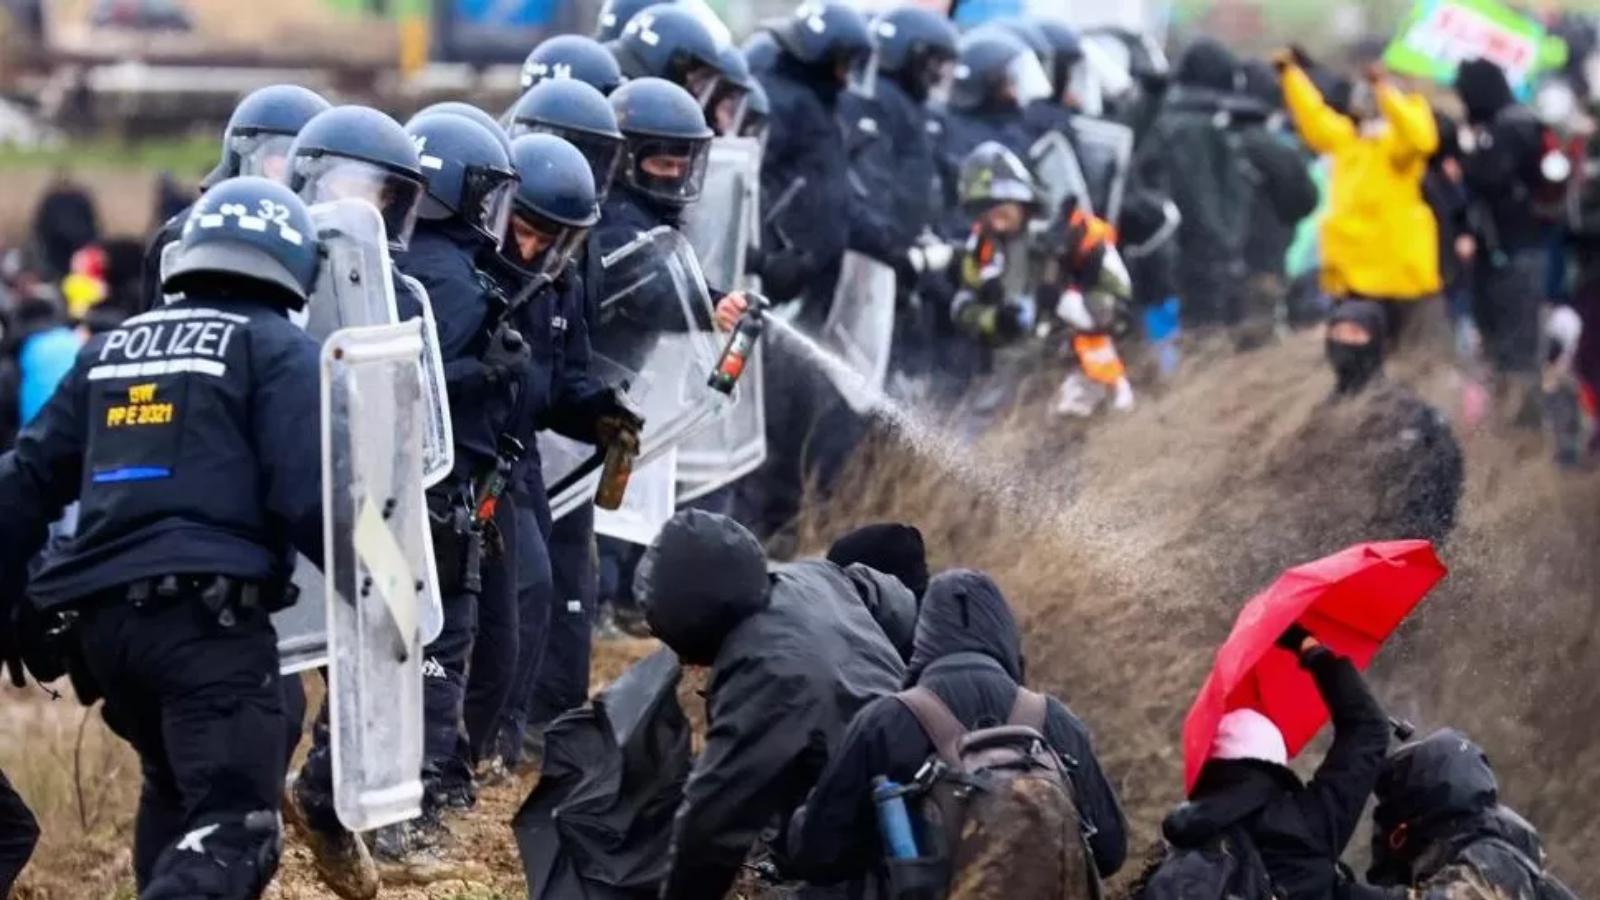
460	539
227	598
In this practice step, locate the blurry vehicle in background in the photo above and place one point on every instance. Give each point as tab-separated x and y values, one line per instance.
143	15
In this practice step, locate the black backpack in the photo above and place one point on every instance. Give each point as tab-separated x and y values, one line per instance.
997	796
1227	868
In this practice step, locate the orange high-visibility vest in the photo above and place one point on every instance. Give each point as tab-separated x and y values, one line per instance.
1099	358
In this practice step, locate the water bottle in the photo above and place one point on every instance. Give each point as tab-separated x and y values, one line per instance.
894	822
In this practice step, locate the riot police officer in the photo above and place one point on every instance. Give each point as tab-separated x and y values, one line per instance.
729	101
256	142
572	56
555	206
996	77
1069	82
580	115
182	435
461	108
805	160
615	15
670	42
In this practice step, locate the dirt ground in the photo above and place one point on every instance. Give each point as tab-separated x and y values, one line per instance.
1126	546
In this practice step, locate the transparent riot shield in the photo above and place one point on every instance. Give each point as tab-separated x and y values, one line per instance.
355	288
732	446
723	223
1105	152
651	500
860	326
1055	166
654	335
377	569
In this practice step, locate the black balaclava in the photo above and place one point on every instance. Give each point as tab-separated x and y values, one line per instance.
890	548
1483	89
1355	366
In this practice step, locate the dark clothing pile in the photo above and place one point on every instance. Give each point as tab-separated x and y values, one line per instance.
793	656
968	652
19	832
1300	829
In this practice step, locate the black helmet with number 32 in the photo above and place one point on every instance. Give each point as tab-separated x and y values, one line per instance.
247	236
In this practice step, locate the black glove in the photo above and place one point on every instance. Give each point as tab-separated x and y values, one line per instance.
1009	324
1293	638
618	420
508	357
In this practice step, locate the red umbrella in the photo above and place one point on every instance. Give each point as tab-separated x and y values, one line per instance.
1351	601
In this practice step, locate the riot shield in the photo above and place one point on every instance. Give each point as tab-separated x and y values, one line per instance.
1055	166
1105	153
654	335
355	289
650	502
377	562
723	223
860	326
732	446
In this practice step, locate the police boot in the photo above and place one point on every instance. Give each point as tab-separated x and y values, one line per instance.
416	853
340	858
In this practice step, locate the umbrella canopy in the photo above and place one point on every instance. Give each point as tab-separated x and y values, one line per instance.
1350	601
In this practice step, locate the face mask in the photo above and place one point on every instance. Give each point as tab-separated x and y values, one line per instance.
1354	366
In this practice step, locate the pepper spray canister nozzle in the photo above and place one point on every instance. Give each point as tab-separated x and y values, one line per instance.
741	345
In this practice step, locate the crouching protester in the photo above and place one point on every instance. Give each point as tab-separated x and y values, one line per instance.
1440	832
793	655
965	719
1252	825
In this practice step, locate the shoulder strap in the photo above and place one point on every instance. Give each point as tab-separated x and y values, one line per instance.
940	725
1029	710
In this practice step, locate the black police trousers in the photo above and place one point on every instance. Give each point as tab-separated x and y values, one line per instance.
561	681
19	832
202	705
532	601
491	677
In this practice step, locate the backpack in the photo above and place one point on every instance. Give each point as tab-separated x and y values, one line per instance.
1227	868
1546	886
999	816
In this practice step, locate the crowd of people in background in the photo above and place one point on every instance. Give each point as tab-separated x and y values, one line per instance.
1040	208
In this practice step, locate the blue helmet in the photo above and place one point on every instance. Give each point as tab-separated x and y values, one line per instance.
576	112
572	56
461	108
914	47
263	125
761	51
667	41
554	207
358	152
996	69
468	174
248	229
614	17
826	36
1029	32
757	112
668	143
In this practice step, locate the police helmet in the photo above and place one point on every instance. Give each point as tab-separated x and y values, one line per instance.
757	112
761	51
916	46
358	152
577	113
990	175
1029	32
460	108
263	125
828	36
1066	50
667	140
572	56
614	17
248	228
668	41
729	101
996	69
554	207
468	175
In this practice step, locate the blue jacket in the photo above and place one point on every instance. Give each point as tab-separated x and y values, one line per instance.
183	435
892	137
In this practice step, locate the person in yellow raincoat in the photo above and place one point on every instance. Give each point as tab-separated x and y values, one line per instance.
1379	238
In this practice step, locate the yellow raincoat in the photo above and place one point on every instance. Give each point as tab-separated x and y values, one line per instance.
1380	238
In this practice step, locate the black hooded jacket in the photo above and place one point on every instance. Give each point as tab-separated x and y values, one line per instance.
1192	155
1300	829
1502	169
1439	825
968	651
793	655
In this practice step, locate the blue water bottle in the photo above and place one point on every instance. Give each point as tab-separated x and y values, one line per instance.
894	822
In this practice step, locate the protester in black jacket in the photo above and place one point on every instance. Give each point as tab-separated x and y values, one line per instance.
1300	829
969	653
64	222
793	656
1191	155
889	547
19	832
1440	829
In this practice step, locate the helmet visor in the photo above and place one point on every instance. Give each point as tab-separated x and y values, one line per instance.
537	245
1026	75
726	108
602	151
671	170
321	179
263	154
1083	91
486	198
